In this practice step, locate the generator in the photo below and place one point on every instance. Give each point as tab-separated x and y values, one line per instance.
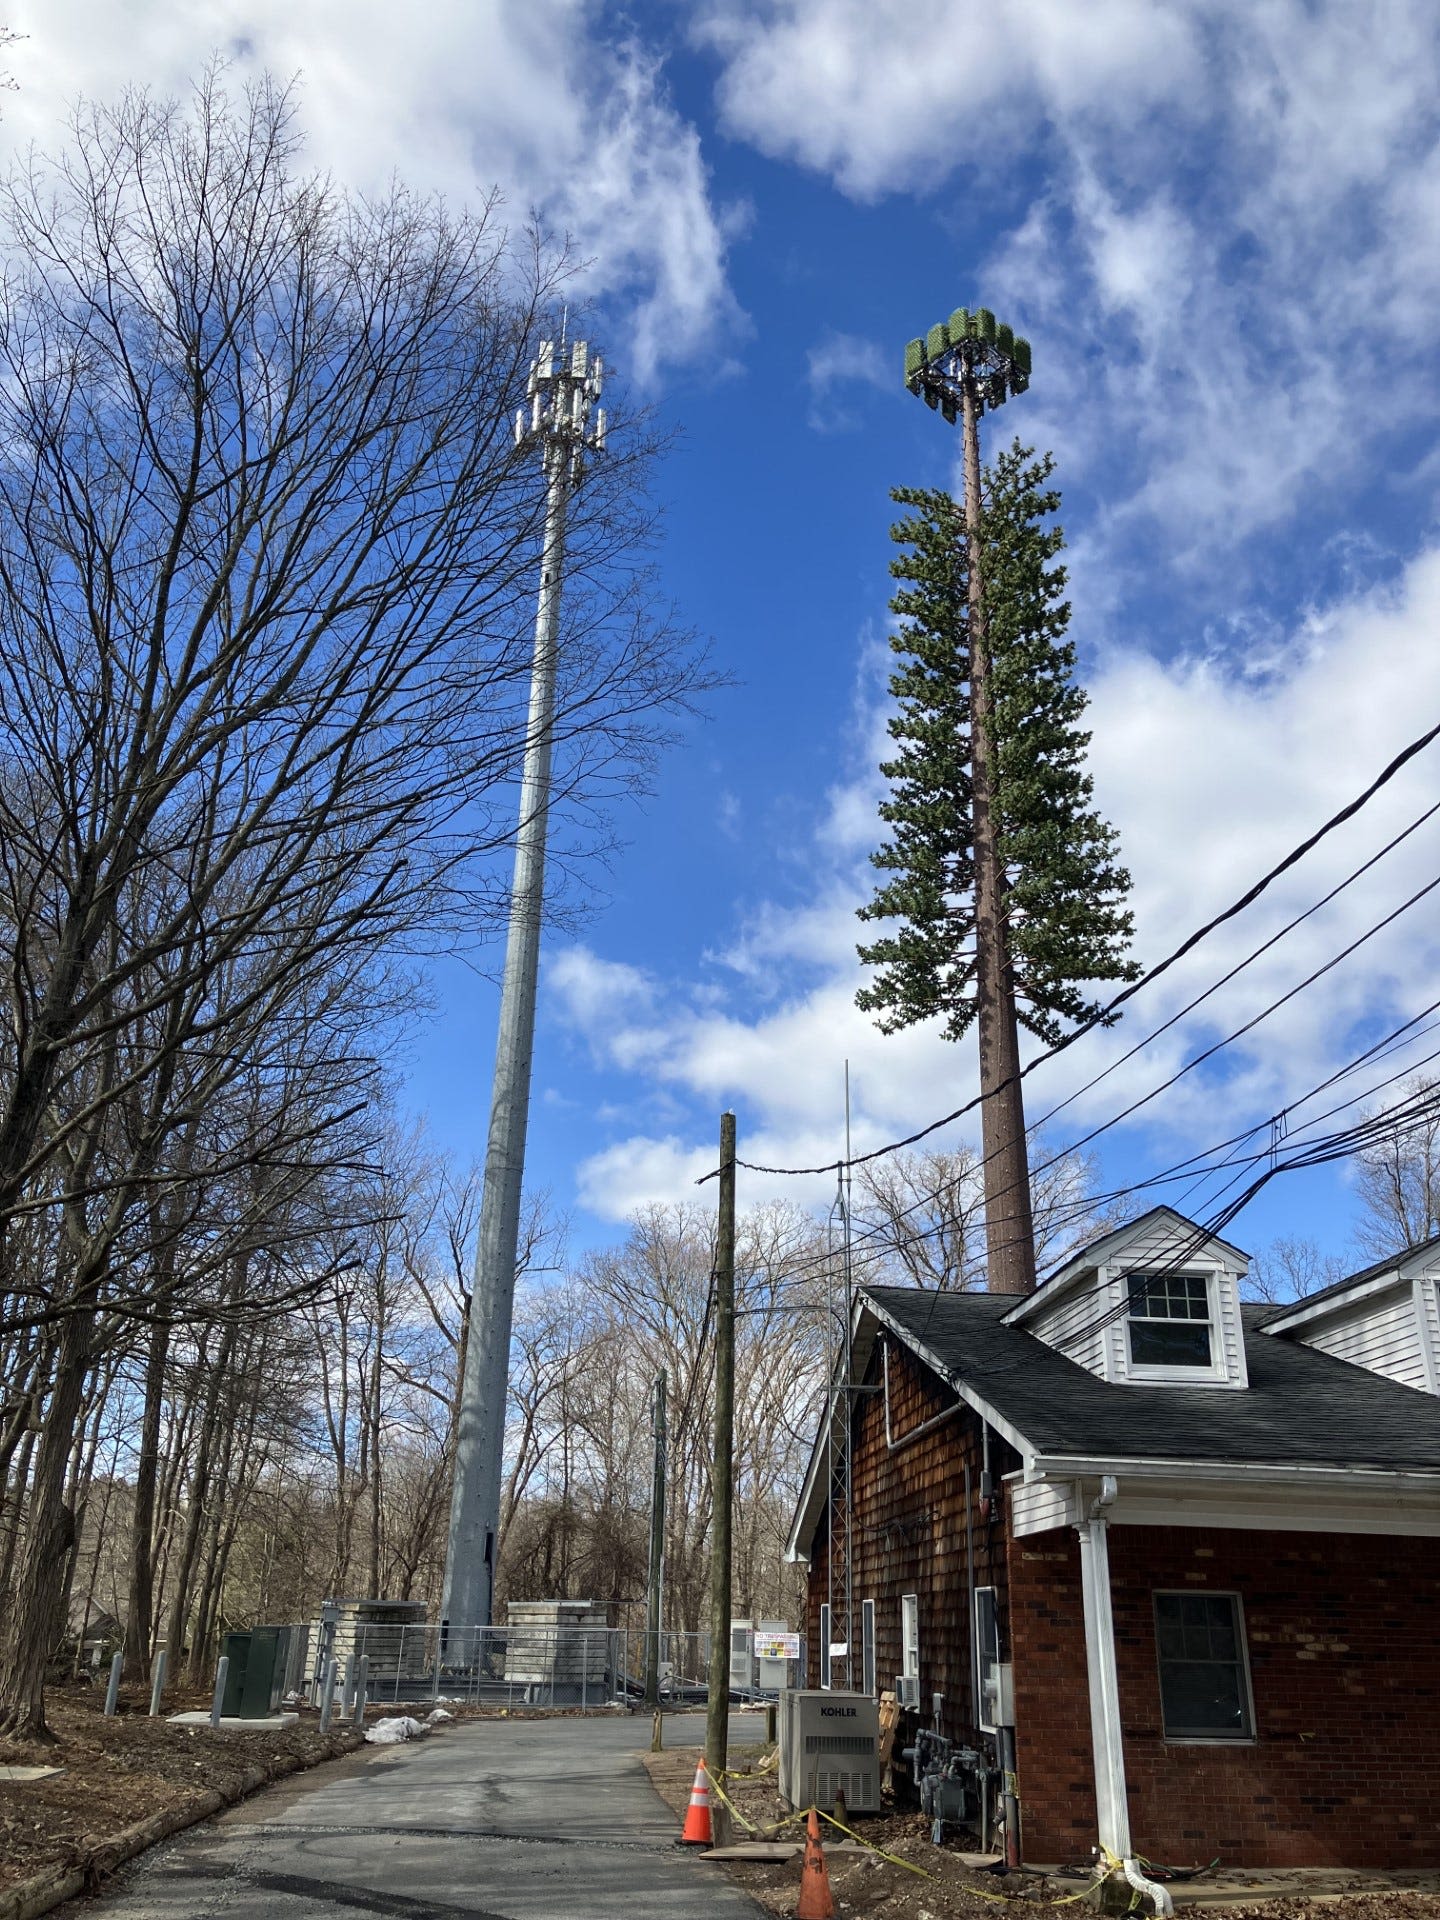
829	1745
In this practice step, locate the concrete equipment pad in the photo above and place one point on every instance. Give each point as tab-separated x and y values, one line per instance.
267	1725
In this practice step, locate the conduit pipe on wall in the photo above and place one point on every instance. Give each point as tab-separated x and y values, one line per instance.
925	1426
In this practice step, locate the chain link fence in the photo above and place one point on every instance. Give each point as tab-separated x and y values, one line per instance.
590	1668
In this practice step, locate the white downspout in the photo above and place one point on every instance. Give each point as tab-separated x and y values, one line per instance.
1111	1806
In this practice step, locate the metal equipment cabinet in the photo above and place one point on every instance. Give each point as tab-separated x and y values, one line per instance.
255	1680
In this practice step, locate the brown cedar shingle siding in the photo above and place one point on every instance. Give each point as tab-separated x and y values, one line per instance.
908	1512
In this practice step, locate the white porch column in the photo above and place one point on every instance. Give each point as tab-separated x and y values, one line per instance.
1111	1807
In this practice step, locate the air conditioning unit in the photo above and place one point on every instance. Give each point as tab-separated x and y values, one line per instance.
829	1744
907	1689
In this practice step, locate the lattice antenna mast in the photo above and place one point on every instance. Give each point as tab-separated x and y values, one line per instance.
562	392
963	366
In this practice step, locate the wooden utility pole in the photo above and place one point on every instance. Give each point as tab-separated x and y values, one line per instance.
717	1712
657	1551
1009	1226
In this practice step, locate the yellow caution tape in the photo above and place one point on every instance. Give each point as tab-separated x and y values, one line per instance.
999	1899
869	1845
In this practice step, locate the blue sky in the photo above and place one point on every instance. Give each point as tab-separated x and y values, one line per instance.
1217	220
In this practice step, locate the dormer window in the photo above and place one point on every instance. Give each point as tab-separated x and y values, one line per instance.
1169	1320
1155	1302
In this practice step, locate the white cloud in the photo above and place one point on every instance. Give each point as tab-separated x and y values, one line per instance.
839	361
453	97
1210	778
892	94
1233	245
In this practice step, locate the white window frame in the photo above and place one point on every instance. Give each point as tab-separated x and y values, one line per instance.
1150	1370
1249	1737
910	1635
867	1647
825	1644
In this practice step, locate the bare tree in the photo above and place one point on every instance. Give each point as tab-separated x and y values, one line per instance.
265	568
1289	1268
920	1217
1398	1178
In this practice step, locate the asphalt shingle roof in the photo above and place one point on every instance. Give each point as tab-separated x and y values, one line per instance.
1301	1408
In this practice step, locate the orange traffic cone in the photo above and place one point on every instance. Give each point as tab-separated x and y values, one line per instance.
697	1814
817	1902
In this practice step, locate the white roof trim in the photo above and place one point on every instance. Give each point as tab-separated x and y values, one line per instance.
812	1494
1097	1252
1074	1466
1406	1268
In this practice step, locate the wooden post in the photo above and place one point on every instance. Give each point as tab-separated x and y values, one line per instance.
657	1553
717	1712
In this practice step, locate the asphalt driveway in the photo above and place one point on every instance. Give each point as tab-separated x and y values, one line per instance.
491	1820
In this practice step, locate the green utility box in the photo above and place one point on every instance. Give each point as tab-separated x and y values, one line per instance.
255	1679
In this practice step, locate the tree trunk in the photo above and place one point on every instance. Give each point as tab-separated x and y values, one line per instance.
1009	1229
199	1488
14	1522
49	1538
140	1607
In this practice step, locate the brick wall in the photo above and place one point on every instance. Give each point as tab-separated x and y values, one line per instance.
1345	1670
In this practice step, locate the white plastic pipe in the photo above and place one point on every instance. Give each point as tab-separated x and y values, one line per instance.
1159	1895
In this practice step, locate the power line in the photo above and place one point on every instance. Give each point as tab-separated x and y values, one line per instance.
1105	1016
1193	1167
1197	1060
1240	966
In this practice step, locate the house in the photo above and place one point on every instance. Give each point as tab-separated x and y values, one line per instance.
1203	1535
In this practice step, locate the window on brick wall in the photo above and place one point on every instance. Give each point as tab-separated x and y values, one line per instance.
1204	1676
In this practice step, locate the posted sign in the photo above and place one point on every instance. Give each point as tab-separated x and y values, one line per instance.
777	1646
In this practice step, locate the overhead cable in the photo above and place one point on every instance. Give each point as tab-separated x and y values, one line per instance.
1105	1015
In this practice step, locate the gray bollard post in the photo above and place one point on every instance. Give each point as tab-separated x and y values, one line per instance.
157	1684
112	1692
347	1692
361	1677
221	1675
327	1694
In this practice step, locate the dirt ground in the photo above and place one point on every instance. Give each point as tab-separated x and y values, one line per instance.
121	1771
870	1888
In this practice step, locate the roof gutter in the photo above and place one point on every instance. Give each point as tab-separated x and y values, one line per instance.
1074	1466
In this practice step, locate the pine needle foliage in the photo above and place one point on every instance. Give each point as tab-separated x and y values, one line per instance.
1065	892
